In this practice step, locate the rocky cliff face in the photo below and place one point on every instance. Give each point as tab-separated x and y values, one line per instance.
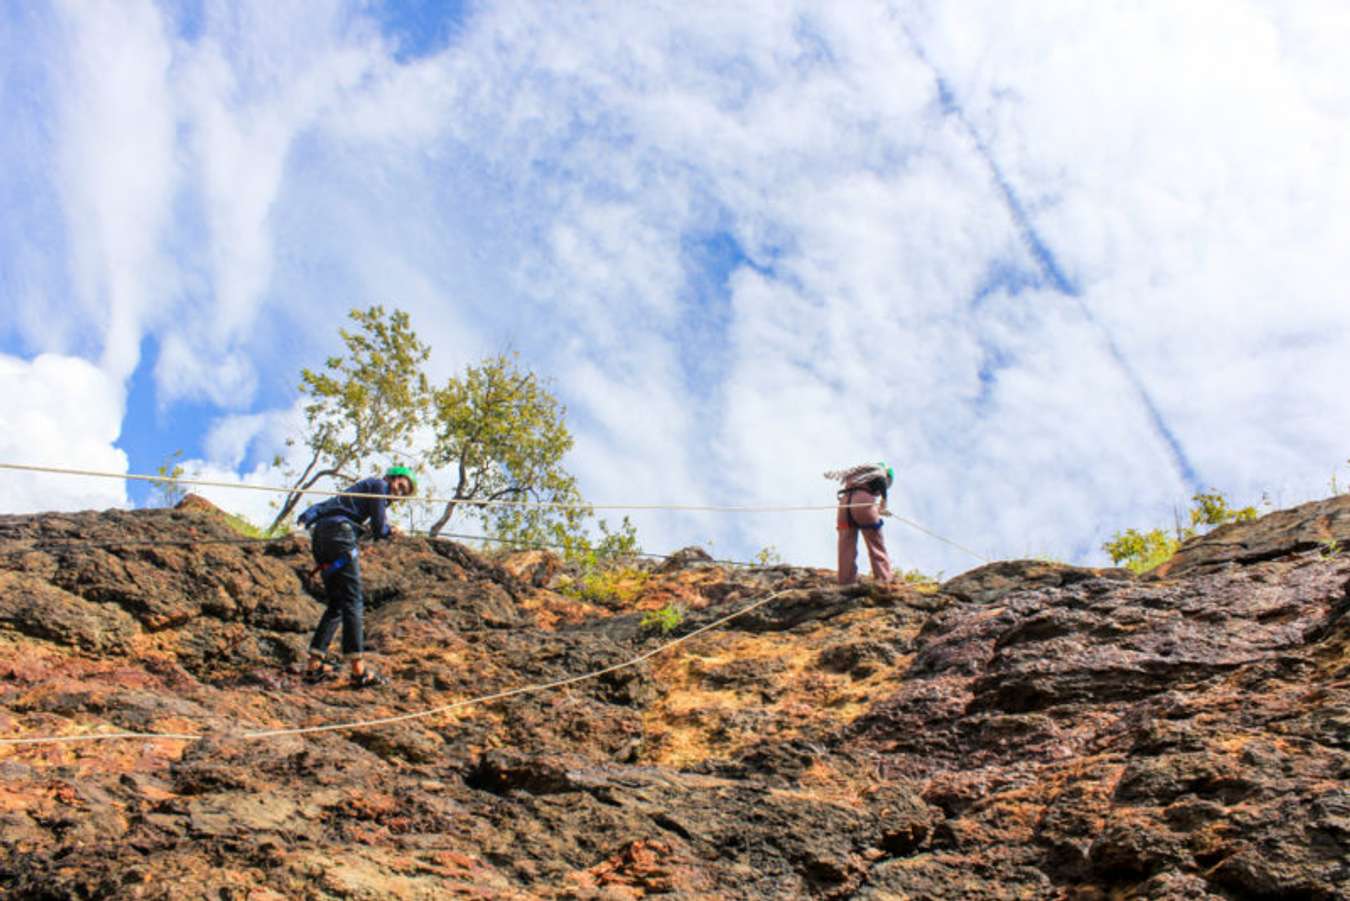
1027	730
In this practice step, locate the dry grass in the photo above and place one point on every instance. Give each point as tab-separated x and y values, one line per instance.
789	695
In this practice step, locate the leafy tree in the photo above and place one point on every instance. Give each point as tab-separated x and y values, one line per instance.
1142	551
362	403
500	431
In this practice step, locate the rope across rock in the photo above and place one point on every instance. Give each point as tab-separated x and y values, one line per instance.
399	718
432	711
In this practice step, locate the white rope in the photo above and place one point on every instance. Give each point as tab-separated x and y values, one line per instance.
687	508
387	720
468	502
930	533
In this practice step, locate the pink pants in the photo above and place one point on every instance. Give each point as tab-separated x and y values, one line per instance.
868	521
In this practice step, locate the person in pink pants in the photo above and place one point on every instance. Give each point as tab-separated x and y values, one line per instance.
861	504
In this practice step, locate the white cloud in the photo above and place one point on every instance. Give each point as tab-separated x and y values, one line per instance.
552	178
115	170
37	428
244	94
230	443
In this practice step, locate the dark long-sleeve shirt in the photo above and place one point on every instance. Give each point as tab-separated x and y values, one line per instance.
356	509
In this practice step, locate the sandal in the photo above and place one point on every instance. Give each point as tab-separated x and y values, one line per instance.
321	674
369	679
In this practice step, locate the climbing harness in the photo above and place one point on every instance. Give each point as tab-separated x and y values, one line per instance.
333	566
847	493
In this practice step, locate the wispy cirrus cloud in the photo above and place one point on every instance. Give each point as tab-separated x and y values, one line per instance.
1060	282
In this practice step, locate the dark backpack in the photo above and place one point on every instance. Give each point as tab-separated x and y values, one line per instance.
318	511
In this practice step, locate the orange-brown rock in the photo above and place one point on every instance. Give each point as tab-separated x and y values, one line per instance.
1026	730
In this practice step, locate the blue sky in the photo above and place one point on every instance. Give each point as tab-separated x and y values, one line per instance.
1061	284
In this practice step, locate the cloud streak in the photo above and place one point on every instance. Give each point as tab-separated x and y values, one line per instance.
1060	284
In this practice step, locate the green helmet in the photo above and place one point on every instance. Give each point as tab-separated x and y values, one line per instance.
404	471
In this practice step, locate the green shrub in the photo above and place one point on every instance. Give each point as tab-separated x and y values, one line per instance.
609	585
604	571
664	621
1143	551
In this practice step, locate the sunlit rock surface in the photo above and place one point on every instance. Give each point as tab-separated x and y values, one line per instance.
1029	730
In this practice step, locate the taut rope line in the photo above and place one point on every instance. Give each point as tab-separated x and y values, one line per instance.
686	508
403	717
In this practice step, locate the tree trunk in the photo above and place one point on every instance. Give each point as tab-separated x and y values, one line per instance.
297	492
445	518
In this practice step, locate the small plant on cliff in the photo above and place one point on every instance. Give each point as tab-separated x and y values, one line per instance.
613	586
915	577
604	570
1141	551
614	548
768	556
663	621
166	488
1211	509
1331	548
1336	488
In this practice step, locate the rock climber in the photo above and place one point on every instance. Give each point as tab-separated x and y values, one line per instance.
862	504
333	526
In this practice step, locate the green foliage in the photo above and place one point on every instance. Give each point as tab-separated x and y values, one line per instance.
1211	509
664	621
612	586
1142	551
1331	548
501	431
604	570
768	556
497	427
245	527
363	403
619	546
169	492
914	577
920	581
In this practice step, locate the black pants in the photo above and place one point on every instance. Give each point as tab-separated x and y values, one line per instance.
335	540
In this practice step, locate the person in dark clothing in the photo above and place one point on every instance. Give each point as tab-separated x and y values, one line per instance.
333	526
